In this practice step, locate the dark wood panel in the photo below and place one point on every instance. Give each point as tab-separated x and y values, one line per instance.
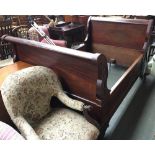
78	71
124	83
122	34
123	56
121	89
119	39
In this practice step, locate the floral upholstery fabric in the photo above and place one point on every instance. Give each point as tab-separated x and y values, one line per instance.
65	124
27	94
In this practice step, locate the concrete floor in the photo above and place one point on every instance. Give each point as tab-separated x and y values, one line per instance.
135	117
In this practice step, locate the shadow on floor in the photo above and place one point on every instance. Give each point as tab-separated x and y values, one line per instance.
136	103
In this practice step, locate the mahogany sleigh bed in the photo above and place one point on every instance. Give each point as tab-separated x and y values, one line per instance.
84	74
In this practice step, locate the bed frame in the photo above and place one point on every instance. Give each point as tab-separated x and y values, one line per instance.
83	74
124	42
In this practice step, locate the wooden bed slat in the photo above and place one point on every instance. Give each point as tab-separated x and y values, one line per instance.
79	72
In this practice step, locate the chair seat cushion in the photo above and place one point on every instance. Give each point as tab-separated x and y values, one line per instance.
65	124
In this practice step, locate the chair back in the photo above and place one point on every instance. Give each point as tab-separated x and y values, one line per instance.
28	92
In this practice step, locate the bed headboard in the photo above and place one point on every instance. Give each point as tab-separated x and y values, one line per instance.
83	75
117	38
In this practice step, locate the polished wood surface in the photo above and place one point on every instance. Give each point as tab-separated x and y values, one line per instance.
106	35
123	56
123	85
5	71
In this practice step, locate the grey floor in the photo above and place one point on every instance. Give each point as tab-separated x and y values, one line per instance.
135	117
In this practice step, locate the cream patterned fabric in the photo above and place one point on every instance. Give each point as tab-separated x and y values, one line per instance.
65	124
27	94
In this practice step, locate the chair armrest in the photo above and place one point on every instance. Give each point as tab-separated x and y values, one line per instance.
74	104
25	128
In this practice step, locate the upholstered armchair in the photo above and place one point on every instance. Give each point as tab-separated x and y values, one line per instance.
27	94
